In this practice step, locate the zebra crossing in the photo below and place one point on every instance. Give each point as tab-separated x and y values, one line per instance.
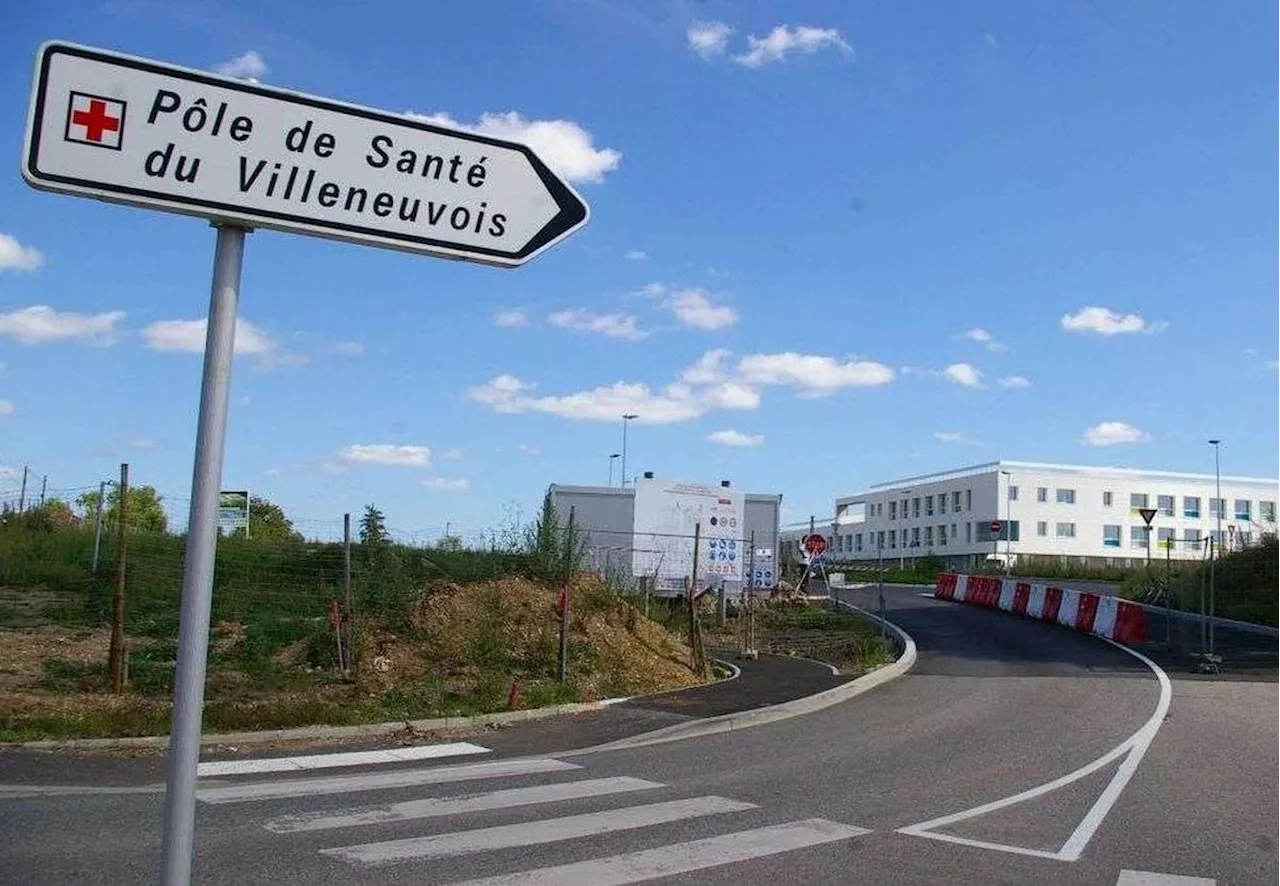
544	819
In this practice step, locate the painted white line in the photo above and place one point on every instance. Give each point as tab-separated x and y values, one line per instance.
926	594
534	833
1132	749
1147	878
679	858
333	761
341	784
434	807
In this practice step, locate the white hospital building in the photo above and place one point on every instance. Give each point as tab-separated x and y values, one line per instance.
1087	515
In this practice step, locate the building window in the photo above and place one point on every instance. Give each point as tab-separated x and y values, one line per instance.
928	536
1106	498
1137	536
893	510
955	535
893	538
880	540
1244	509
968	532
928	505
857	541
1065	530
1066	496
1217	507
1137	500
1042	528
955	502
1164	538
1042	493
1111	536
915	508
1164	505
903	510
1191	506
915	536
968	499
1244	539
1267	511
1191	539
942	503
1219	539
942	534
1013	493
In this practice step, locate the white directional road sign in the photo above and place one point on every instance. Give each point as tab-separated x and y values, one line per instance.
134	131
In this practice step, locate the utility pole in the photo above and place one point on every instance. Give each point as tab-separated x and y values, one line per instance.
626	419
612	456
22	496
1008	523
116	663
97	525
44	484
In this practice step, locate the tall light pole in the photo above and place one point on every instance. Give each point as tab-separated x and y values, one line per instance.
1008	524
1222	506
612	456
626	419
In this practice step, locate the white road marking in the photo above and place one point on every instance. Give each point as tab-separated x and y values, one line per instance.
433	807
679	858
1147	878
339	784
332	761
1131	749
536	832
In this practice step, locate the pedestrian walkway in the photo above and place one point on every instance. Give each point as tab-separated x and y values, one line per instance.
551	819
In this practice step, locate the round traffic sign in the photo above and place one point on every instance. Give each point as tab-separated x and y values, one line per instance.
815	544
996	526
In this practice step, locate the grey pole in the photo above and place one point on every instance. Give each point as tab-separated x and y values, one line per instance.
97	525
1213	548
197	574
22	496
626	417
1008	525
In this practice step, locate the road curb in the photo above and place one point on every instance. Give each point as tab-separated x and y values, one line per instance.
331	733
773	713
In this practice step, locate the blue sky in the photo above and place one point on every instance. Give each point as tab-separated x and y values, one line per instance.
831	244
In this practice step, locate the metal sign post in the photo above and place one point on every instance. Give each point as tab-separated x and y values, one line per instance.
197	571
129	130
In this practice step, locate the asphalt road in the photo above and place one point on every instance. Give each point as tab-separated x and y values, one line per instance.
996	707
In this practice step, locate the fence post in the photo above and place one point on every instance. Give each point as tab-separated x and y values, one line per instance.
115	659
97	533
565	605
349	613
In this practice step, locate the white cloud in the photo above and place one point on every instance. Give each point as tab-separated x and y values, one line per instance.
1013	381
731	437
511	319
708	370
1111	433
709	38
605	403
529	449
1105	321
348	348
142	444
446	484
16	257
732	395
249	66
696	308
611	325
392	454
813	375
562	144
6	408
984	338
454	454
949	436
635	255
39	324
783	39
963	374
189	335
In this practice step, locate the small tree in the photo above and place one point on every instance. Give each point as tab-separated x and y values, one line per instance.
146	513
373	527
268	522
557	551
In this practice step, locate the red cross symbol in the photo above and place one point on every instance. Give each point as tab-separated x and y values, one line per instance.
95	120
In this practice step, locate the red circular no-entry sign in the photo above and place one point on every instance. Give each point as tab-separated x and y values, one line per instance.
815	544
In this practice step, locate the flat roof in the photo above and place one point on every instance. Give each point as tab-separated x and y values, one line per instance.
989	467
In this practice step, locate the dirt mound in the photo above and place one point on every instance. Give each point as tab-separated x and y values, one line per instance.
498	631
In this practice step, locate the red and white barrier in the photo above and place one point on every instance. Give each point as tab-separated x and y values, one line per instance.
1108	617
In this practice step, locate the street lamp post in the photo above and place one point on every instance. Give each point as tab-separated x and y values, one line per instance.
612	456
626	419
1217	540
